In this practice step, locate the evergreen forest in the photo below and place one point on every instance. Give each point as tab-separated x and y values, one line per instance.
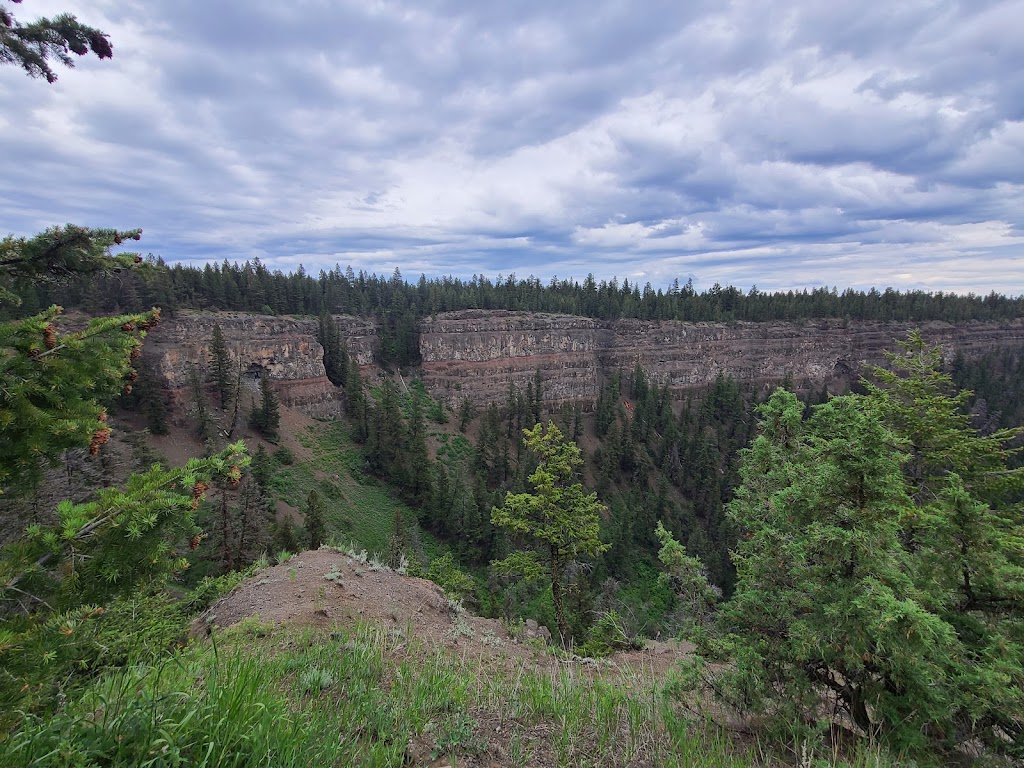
398	304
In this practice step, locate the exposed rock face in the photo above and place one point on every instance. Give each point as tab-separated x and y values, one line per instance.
283	348
477	353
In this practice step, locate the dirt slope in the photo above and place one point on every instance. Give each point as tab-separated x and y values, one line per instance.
324	588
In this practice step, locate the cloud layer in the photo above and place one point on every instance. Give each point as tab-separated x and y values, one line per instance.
787	145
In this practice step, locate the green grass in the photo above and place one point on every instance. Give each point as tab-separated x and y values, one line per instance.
360	508
370	697
453	449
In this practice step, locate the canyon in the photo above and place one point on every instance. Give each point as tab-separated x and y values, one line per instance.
285	349
478	354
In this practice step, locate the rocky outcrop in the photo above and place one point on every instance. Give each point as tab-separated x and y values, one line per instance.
477	353
284	349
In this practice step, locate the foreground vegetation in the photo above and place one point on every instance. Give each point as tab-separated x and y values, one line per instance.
367	696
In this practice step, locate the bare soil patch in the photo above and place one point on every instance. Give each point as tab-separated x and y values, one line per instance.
325	588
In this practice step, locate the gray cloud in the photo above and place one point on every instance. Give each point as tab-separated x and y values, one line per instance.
785	145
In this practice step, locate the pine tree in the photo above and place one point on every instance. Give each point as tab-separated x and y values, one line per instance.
335	354
387	436
686	576
53	383
221	368
964	535
261	467
147	397
355	401
465	413
62	575
558	515
314	520
52	380
536	405
204	424
824	600
32	45
419	478
266	418
880	562
284	538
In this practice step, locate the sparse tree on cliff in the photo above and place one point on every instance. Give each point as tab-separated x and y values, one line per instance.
466	413
204	426
266	418
559	516
220	360
335	354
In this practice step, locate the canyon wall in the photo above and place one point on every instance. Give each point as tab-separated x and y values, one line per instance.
477	353
284	348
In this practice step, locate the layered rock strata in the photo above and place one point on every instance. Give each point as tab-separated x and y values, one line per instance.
285	349
477	354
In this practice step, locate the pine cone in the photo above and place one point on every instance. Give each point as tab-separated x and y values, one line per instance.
100	436
146	325
197	493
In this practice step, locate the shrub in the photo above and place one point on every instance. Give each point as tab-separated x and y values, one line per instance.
456	583
607	636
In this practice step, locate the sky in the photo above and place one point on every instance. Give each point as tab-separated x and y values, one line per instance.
777	143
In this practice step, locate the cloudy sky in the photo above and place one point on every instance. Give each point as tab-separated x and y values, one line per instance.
785	143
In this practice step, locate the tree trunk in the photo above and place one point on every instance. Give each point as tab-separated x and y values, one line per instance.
859	711
556	596
225	532
240	554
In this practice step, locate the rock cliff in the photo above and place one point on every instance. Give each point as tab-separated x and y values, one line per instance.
477	353
283	348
